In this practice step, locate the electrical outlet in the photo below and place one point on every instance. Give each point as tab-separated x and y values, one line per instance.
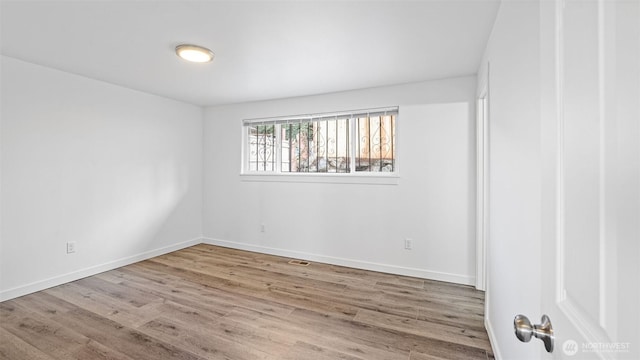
263	228
408	244
71	247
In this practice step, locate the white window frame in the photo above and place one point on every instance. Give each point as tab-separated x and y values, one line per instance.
357	177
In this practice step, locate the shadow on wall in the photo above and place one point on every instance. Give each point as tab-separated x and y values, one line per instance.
137	206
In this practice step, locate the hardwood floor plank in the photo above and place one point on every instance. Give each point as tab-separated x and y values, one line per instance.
44	334
97	351
13	347
420	356
298	300
200	298
131	296
209	302
302	350
434	291
460	335
347	301
301	331
384	337
129	341
451	318
425	302
209	343
233	291
98	303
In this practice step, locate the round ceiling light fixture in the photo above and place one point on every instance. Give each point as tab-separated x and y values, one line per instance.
194	53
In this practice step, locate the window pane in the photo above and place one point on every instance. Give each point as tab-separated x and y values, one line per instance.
375	150
342	146
297	146
316	146
261	148
320	140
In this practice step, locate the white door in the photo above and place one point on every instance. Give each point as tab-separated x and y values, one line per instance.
591	189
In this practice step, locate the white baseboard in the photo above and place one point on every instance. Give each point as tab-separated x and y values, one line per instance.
365	265
93	270
492	339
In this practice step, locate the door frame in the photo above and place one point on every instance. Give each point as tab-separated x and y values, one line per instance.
482	182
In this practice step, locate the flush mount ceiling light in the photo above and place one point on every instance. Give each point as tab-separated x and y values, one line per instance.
194	53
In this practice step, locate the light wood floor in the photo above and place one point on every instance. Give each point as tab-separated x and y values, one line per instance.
208	302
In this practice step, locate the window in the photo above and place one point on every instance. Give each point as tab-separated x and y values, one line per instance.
338	143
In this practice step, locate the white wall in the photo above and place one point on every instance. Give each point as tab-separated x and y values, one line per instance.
354	224
513	276
115	170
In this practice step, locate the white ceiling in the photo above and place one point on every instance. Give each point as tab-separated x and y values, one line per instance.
264	50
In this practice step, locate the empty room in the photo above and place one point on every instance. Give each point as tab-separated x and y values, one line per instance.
411	180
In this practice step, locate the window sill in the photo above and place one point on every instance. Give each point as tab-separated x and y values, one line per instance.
369	179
